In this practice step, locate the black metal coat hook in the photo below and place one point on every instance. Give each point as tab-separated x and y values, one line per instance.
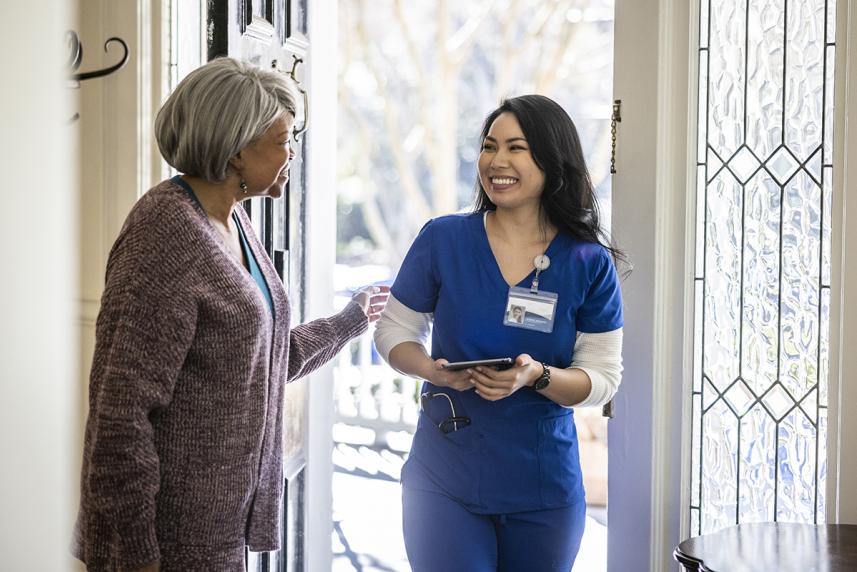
76	57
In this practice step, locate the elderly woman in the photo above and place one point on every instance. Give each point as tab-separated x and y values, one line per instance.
182	460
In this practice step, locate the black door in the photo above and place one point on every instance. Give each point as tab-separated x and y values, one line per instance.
273	33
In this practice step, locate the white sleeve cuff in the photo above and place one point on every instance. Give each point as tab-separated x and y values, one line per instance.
399	324
600	356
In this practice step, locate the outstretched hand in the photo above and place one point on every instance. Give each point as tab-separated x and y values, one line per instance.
494	385
373	300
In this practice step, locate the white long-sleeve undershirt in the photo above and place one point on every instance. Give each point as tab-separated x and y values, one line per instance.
599	355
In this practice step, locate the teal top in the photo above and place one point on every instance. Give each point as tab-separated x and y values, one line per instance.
252	263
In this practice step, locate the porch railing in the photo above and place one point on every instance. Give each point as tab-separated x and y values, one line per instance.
370	394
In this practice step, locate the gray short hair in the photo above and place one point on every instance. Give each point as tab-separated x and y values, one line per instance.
216	111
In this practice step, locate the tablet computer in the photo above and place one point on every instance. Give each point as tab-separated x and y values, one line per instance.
498	363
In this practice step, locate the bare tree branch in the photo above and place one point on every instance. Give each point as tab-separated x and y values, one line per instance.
423	82
394	138
460	44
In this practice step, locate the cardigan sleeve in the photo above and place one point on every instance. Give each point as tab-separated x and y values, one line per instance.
145	328
313	344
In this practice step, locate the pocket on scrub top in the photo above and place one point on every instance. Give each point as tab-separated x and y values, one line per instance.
559	461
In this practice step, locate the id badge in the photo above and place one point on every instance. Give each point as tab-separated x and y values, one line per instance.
531	310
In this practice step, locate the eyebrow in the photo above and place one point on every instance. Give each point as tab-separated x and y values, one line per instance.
507	140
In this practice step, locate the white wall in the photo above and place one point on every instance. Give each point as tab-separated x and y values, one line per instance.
38	290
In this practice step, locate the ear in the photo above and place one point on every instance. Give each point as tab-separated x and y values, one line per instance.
237	162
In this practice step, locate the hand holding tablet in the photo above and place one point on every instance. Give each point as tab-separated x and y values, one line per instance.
498	363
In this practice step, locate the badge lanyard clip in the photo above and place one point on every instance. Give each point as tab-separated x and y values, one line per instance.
541	262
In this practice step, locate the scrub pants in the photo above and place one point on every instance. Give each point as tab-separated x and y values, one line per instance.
442	535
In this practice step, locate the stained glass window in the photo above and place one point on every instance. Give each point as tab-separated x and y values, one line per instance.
762	273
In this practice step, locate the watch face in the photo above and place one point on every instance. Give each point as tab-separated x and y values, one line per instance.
543	380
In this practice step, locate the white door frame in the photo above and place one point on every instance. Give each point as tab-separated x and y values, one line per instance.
653	219
321	258
842	439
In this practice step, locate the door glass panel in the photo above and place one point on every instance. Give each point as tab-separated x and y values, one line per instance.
764	167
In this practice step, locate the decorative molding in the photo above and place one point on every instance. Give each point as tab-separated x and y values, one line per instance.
842	421
691	90
673	285
260	30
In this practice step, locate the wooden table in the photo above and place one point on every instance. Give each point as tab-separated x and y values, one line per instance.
769	546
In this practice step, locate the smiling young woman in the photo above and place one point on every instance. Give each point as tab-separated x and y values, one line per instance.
527	275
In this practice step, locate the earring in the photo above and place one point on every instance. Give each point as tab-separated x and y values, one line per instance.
243	185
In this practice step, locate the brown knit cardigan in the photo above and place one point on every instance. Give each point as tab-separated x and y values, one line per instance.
182	458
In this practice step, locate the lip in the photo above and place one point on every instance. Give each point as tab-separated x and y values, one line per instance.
502	186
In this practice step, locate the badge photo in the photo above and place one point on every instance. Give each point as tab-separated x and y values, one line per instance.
530	310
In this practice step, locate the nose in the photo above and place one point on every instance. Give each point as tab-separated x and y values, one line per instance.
500	159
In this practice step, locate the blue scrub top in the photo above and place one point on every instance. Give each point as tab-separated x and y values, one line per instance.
519	453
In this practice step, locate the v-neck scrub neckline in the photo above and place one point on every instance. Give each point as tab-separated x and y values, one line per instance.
491	259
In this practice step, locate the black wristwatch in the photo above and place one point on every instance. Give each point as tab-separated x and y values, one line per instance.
544	379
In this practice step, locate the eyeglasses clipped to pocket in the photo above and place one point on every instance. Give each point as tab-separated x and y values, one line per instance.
440	409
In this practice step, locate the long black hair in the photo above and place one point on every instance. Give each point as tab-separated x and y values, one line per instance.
568	199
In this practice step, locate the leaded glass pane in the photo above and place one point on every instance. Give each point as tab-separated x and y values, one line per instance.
726	79
760	333
694	521
822	467
831	21
824	348
719	457
763	261
813	166
827	177
758	459
804	76
723	280
697	337
743	165
796	467
700	225
695	451
809	404
801	249
739	397
765	32
829	86
702	111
